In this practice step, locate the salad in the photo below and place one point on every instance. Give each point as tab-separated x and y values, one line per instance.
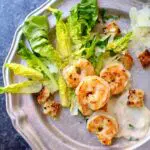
88	68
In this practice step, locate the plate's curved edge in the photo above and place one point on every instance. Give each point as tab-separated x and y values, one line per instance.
14	120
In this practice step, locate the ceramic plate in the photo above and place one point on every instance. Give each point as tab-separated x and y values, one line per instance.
69	132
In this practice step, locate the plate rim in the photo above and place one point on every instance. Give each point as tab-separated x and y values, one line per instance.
16	124
18	31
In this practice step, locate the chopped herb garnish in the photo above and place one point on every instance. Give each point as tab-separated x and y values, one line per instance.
86	119
133	139
131	126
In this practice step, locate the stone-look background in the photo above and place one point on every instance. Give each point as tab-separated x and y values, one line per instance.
12	13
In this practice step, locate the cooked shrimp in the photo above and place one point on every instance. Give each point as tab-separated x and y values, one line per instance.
75	73
92	94
127	61
104	108
117	77
104	126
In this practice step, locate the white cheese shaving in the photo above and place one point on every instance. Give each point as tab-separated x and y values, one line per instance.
140	24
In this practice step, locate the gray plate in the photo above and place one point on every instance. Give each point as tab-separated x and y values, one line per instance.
69	132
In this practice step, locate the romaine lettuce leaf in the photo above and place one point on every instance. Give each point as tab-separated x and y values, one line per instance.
97	59
63	92
120	44
88	50
46	83
82	19
97	62
56	12
28	72
63	39
74	104
35	63
53	68
62	34
25	87
36	29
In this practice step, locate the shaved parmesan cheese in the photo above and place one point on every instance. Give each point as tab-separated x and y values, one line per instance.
140	23
140	18
134	123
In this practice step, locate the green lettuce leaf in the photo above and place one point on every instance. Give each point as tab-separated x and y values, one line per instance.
26	87
56	12
88	50
97	59
36	29
120	44
82	19
63	39
74	104
97	62
46	83
62	34
63	92
28	72
35	63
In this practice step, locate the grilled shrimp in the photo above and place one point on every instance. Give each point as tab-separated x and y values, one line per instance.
104	126
92	93
117	77
127	61
75	73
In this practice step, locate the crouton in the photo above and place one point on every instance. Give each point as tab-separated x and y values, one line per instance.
127	61
144	58
51	108
43	95
112	28
136	98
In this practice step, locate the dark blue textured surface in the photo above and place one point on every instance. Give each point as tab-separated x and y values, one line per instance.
12	13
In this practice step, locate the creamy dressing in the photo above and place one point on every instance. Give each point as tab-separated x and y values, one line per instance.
134	123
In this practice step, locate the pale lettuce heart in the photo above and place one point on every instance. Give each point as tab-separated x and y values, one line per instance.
26	87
